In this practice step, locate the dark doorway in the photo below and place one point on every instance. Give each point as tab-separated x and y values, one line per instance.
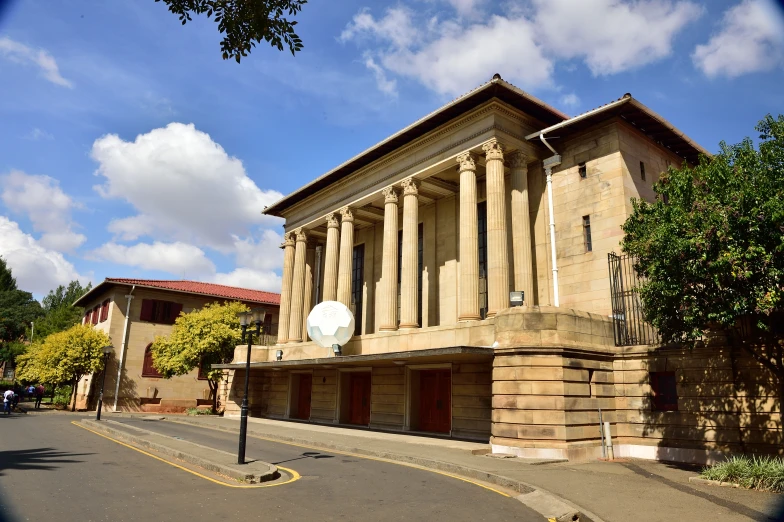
435	401
302	388
359	401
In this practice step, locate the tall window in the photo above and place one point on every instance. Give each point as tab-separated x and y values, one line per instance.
162	312
148	370
104	311
642	171
481	214
420	250
587	233
357	281
96	314
664	391
420	246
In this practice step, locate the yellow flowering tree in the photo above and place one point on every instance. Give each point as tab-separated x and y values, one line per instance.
201	338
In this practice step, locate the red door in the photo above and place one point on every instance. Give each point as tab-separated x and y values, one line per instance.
435	401
359	406
303	401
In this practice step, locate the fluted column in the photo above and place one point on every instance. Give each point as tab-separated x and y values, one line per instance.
388	300
346	254
468	309
307	293
285	292
298	288
521	228
331	259
497	252
409	291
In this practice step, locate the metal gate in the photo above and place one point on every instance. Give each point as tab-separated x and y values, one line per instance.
629	325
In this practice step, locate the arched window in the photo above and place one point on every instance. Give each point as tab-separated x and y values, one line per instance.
148	370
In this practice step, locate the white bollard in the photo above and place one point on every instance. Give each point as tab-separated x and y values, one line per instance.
608	440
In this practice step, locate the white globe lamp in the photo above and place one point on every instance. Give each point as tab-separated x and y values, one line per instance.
331	325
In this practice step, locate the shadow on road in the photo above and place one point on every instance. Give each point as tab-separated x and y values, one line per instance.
39	458
307	455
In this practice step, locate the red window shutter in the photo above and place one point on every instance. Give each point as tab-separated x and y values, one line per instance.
88	317
148	369
147	305
174	312
96	313
105	311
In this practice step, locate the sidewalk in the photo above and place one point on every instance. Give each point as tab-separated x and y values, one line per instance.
614	491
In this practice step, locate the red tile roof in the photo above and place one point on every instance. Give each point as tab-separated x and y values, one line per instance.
211	289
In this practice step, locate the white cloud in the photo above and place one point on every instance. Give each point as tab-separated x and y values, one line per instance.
610	35
385	85
570	100
751	39
452	56
42	200
37	134
247	278
184	186
264	254
176	258
20	53
36	268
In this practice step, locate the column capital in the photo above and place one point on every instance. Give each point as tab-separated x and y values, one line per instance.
302	235
467	161
493	150
332	220
518	160
410	186
390	195
288	240
346	215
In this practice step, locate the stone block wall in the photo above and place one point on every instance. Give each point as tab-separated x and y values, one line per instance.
471	400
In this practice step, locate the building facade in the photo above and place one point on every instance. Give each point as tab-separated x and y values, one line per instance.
135	311
425	236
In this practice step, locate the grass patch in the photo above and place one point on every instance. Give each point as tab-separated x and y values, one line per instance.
198	411
762	473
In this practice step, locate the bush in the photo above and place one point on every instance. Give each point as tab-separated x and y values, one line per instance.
198	411
762	473
62	395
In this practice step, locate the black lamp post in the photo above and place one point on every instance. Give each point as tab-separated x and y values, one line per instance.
255	316
107	351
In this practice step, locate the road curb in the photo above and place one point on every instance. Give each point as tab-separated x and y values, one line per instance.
708	482
257	472
551	506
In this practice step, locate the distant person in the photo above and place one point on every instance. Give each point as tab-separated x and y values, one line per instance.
39	394
30	392
8	399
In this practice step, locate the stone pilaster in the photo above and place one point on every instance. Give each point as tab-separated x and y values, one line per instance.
497	251
409	281
307	293
346	254
468	309
388	299
521	228
331	259
298	288
285	292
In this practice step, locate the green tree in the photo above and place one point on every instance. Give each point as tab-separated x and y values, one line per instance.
65	357
711	248
243	23
17	310
201	338
59	314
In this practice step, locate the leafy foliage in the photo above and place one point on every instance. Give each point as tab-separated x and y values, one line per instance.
17	310
64	356
245	22
59	315
205	336
763	473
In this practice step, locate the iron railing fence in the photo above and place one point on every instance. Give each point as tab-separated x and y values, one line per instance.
629	325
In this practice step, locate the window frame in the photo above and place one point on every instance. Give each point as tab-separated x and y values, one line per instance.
357	283
104	311
587	240
159	311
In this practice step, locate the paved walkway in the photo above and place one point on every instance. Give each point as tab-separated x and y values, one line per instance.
614	491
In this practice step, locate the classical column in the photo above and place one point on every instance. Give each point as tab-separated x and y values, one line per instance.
285	292
521	228
497	252
468	309
409	282
331	260
298	288
388	300
307	293
346	254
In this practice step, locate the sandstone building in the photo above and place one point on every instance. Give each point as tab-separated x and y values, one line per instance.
426	234
133	312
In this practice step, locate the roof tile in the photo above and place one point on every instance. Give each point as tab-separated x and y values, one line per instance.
211	289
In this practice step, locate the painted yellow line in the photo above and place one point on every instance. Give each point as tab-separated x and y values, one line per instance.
379	459
294	475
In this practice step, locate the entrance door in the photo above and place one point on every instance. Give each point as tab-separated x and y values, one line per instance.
303	399
359	407
435	401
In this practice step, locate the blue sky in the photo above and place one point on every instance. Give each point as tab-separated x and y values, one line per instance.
129	148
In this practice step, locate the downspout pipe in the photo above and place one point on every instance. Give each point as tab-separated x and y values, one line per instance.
549	163
121	359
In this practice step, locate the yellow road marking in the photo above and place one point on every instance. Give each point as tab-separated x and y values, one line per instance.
294	475
415	466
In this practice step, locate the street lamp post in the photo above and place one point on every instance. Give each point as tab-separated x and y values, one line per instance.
107	351
255	316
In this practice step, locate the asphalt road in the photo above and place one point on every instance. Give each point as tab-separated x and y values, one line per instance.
53	470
